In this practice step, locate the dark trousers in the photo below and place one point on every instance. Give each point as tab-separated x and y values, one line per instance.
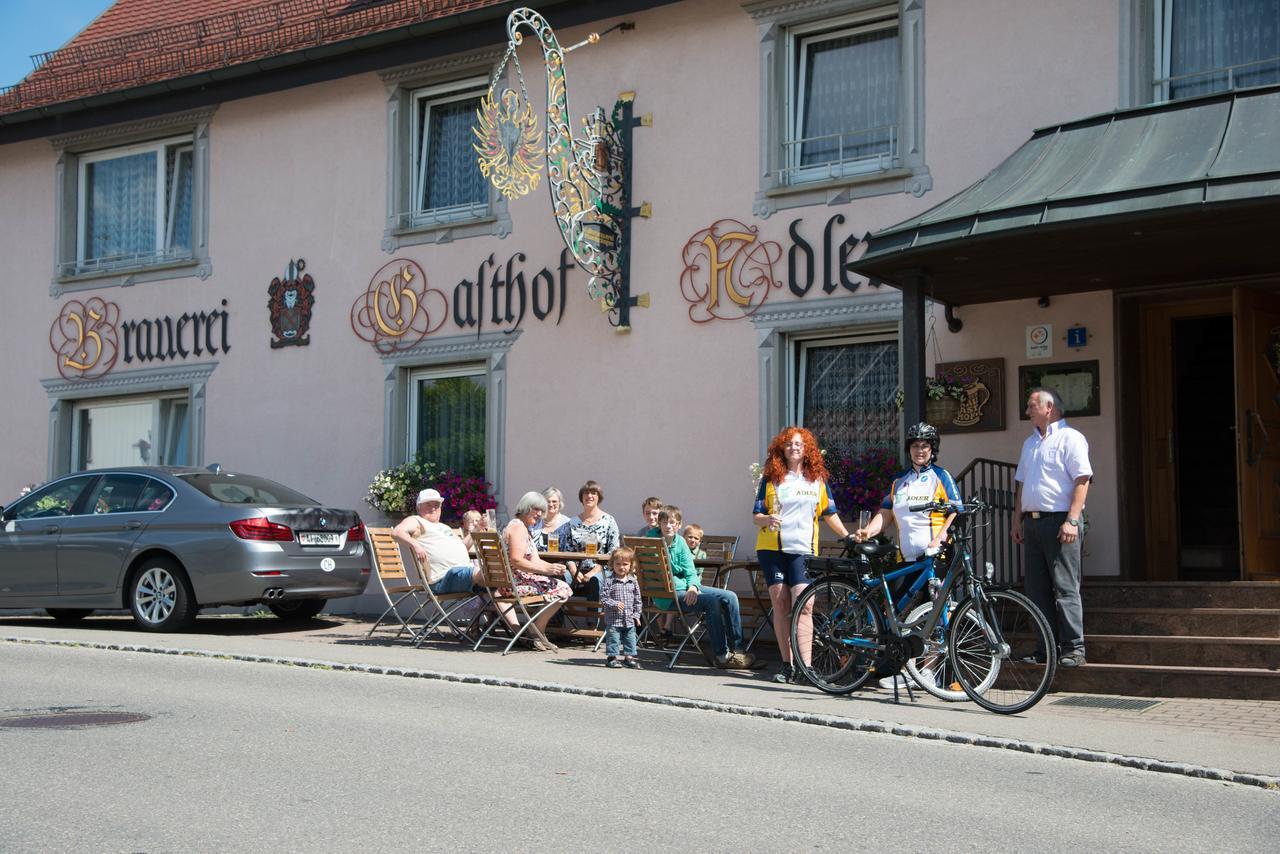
1053	578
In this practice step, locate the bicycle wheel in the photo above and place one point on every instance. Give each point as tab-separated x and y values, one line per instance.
1017	629
932	670
845	629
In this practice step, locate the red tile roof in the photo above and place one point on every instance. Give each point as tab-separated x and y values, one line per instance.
138	42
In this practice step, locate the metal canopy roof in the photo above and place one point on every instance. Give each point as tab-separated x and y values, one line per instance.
1175	192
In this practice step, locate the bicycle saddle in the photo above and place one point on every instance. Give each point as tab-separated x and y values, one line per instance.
875	549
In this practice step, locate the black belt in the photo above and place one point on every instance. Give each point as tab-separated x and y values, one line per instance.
1036	514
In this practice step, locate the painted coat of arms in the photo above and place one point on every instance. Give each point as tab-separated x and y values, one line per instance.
290	303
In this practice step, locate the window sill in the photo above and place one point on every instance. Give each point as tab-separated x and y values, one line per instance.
446	231
123	277
836	191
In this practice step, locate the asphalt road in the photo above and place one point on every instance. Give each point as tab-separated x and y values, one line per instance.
255	757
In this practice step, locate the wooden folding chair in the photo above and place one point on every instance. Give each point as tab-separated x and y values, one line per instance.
394	579
756	607
722	546
442	608
498	576
583	618
653	571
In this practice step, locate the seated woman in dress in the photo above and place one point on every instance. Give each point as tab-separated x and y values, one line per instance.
533	575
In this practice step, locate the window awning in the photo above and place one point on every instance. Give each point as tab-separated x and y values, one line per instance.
1170	193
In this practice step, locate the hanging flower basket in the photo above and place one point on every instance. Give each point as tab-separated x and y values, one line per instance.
942	411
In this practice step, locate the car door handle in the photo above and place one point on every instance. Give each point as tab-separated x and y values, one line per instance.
132	526
52	529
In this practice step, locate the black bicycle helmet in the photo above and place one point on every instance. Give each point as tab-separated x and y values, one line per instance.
923	432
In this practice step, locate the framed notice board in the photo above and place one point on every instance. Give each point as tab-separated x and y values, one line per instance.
1075	382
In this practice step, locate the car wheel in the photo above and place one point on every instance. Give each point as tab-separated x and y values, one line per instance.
297	610
68	615
160	597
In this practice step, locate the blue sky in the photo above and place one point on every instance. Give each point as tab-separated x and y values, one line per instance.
34	26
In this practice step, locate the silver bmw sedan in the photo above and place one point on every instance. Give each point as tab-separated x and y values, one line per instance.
165	542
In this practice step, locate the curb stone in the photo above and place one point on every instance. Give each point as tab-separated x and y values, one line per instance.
1140	763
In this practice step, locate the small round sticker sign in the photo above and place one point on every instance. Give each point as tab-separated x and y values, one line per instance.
328	564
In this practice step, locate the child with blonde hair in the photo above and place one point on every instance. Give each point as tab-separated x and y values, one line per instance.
620	599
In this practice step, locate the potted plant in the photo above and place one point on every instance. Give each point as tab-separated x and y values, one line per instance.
942	397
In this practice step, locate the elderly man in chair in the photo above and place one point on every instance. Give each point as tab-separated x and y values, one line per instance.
439	550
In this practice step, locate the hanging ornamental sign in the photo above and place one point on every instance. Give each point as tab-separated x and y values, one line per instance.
291	299
397	310
586	175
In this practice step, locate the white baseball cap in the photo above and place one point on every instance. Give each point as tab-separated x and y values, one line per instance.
429	495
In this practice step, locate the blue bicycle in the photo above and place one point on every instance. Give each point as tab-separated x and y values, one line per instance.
971	635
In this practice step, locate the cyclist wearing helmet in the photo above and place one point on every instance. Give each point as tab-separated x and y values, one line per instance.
923	482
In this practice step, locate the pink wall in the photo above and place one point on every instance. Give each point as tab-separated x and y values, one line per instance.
671	408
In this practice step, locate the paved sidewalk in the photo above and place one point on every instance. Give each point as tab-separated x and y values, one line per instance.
1228	735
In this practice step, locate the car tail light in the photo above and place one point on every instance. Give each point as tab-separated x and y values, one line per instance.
261	528
356	533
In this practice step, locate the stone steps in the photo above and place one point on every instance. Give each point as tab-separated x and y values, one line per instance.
1159	681
1204	622
1179	639
1180	594
1185	651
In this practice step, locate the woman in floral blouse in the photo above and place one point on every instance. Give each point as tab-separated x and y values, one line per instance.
592	520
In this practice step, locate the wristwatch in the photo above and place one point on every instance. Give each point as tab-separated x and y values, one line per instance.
1074	522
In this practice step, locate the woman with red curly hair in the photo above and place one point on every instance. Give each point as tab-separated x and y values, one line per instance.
793	496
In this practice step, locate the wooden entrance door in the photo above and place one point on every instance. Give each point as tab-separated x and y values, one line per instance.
1257	339
1163	503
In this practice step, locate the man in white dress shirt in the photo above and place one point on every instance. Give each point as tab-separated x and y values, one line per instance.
1052	481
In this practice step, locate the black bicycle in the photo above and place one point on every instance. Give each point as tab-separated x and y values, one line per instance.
986	630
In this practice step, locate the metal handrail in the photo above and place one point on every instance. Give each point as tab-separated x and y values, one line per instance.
839	166
1163	85
992	482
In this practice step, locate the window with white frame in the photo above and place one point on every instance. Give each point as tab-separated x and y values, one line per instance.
446	180
842	101
843	388
842	97
447	412
435	192
134	205
132	431
1206	46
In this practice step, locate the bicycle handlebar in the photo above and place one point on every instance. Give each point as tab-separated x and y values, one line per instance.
962	509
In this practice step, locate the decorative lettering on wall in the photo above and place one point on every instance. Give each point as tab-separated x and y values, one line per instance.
499	297
801	260
728	271
395	312
87	338
290	303
193	334
84	339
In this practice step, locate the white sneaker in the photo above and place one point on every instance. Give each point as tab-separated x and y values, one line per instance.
927	675
887	682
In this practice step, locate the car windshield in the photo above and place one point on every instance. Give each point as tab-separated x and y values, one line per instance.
244	489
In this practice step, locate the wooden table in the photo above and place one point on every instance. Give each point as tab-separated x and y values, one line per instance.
560	557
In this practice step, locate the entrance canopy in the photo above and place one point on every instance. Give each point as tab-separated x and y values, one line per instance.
1175	192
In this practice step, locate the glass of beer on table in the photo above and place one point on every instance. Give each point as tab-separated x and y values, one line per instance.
589	543
553	541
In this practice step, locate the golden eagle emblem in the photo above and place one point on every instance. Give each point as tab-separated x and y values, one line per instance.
509	148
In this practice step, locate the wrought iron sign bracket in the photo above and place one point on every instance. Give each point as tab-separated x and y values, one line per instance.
627	121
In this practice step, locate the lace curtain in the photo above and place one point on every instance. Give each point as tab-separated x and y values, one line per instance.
1206	35
121	215
452	176
850	85
450	422
849	394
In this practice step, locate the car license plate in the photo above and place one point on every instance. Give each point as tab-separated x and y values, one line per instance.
319	538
